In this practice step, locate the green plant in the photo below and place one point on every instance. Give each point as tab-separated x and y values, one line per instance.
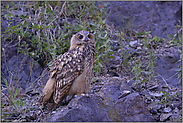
137	71
123	52
113	111
14	97
165	98
150	57
180	67
45	34
176	40
143	67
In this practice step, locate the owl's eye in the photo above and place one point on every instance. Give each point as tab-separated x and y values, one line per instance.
80	37
89	36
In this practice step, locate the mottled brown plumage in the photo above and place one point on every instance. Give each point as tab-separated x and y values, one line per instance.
72	72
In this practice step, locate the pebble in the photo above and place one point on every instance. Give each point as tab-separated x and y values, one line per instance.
29	91
167	110
34	93
53	112
153	111
39	112
133	44
154	106
119	50
148	100
166	46
139	48
154	87
156	94
176	110
124	93
141	44
118	58
164	117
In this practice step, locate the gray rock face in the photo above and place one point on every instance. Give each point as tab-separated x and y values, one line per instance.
105	106
132	109
82	109
167	63
23	72
159	17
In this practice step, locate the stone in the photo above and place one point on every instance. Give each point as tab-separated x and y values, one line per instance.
124	93
104	106
132	109
84	109
167	110
153	87
164	117
156	94
22	70
176	110
139	48
133	44
154	106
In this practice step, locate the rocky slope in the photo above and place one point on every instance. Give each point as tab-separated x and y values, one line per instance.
112	97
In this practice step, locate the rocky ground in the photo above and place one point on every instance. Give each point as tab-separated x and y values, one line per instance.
113	96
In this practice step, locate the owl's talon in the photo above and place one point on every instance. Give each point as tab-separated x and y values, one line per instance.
86	95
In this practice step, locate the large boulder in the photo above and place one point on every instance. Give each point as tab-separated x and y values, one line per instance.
116	101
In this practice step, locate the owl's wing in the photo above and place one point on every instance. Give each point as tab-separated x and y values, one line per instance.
47	92
65	70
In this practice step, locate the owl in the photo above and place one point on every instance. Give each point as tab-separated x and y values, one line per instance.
71	73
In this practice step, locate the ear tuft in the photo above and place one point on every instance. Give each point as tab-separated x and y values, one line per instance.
74	32
92	32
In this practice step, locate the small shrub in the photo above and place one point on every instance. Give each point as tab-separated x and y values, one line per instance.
46	30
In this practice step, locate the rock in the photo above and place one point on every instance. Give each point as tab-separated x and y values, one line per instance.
84	109
22	70
167	46
167	110
176	110
31	115
177	104
166	67
29	91
153	87
153	111
138	14
133	44
156	94
104	106
139	48
124	93
114	88
147	100
53	112
132	109
164	117
34	93
154	106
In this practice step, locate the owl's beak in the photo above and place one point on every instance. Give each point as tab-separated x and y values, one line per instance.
86	39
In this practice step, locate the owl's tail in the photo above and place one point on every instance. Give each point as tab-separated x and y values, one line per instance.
47	92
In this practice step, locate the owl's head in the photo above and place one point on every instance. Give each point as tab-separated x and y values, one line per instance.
82	38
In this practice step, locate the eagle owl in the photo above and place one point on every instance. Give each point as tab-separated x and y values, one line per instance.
71	73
